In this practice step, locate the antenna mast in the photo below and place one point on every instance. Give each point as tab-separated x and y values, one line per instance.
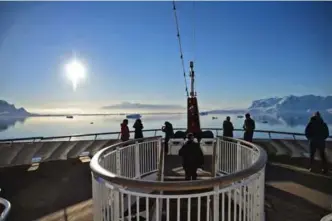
193	113
192	80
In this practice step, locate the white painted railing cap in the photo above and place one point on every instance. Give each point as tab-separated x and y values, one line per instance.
327	217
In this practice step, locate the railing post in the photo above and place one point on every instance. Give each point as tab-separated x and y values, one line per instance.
238	156
118	161
216	158
137	163
216	209
261	195
160	161
163	161
115	200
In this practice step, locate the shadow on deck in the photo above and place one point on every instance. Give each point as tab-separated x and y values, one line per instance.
55	186
294	193
61	190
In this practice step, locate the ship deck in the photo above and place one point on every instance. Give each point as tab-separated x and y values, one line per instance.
61	189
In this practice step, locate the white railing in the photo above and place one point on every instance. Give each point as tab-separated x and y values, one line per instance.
327	217
133	160
235	192
7	206
265	134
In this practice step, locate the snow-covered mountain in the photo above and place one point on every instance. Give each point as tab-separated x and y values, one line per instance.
288	104
7	109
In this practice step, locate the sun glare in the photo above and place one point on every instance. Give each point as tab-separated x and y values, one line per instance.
75	72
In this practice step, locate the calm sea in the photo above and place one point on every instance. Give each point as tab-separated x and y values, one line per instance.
58	126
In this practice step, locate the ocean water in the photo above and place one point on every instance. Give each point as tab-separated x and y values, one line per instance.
59	126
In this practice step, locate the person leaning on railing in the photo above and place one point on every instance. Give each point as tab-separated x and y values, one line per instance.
317	132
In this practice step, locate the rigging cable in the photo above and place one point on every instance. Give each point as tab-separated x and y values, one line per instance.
194	34
180	46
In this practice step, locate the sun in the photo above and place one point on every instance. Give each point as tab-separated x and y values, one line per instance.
75	72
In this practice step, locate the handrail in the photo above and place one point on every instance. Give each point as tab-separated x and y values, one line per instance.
7	206
328	217
100	172
148	130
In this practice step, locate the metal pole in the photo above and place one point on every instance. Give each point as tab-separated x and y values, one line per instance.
192	78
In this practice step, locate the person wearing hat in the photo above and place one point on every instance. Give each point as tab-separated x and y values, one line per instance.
192	157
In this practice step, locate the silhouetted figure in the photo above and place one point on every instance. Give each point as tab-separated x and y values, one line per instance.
192	157
249	128
169	133
124	130
317	132
228	127
138	129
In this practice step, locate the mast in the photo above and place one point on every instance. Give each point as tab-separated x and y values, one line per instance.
193	123
192	80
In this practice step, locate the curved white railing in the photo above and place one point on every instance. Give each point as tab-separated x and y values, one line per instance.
7	206
327	217
121	193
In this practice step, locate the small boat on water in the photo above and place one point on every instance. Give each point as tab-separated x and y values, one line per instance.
214	118
133	116
203	113
239	116
70	116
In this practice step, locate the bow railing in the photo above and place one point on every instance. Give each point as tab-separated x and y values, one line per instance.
122	189
6	206
269	134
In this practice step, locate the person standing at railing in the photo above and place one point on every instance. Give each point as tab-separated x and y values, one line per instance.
169	133
249	128
125	130
192	157
138	129
227	127
317	132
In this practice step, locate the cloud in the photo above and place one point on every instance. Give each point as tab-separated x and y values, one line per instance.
128	105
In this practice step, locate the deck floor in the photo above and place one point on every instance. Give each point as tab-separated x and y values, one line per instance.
61	190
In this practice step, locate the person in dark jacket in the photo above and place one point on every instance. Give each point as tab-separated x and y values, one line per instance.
125	130
138	129
227	127
192	157
169	133
249	128
317	132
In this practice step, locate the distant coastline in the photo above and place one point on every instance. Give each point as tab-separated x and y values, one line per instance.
291	104
96	114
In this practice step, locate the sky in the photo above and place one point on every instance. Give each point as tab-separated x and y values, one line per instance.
242	51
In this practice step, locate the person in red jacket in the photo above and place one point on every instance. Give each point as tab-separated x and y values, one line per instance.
125	130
